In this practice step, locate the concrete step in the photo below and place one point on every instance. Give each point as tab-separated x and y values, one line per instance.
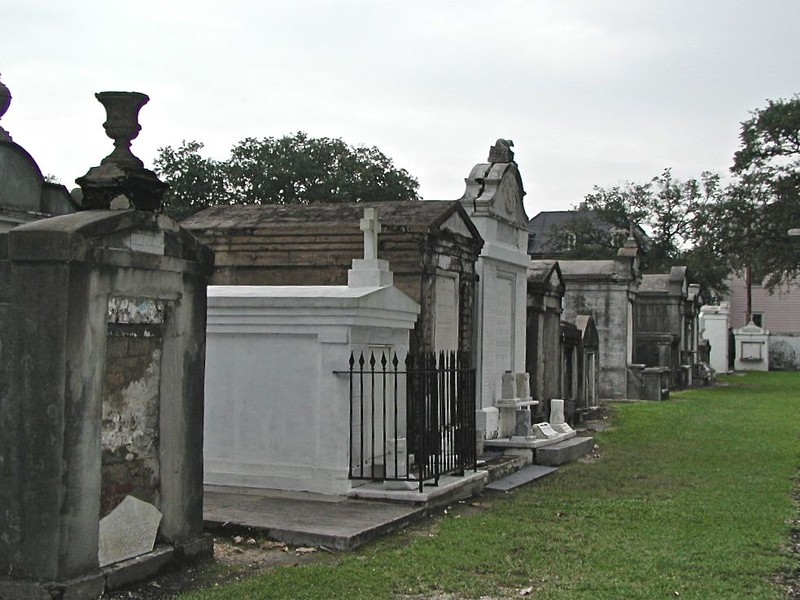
501	465
306	519
563	452
521	477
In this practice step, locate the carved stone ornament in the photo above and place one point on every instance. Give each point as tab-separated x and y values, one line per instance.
501	151
5	102
121	181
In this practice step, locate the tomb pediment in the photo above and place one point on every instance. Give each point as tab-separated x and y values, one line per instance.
495	190
546	274
588	330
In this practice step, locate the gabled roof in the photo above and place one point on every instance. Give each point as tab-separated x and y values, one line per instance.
672	283
427	215
585	324
545	273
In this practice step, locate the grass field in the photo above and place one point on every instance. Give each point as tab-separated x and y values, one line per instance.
690	498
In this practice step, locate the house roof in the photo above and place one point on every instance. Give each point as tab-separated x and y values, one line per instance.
540	226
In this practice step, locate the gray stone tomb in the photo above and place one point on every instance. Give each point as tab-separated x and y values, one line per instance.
103	312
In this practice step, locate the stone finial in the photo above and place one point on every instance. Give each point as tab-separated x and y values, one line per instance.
5	102
371	227
122	125
121	181
501	151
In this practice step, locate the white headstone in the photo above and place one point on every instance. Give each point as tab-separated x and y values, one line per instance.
128	531
557	421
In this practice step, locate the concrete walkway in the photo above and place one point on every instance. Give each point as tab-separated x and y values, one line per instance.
306	519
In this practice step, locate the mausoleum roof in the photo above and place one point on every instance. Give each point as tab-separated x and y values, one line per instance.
415	215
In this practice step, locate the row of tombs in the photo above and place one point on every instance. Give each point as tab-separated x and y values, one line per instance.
319	348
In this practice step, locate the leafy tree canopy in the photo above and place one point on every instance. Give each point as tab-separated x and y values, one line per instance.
293	169
672	213
750	226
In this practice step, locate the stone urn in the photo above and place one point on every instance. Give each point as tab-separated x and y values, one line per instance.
122	125
121	181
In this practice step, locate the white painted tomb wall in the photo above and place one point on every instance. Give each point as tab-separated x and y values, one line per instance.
498	214
714	324
277	417
276	414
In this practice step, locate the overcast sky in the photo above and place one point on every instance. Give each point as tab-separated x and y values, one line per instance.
592	92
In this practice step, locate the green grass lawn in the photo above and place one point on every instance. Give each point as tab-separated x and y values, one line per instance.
690	498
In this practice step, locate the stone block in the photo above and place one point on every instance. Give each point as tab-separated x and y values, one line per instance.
488	420
525	453
200	548
563	452
508	388
523	422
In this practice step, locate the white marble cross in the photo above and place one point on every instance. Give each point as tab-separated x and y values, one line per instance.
371	227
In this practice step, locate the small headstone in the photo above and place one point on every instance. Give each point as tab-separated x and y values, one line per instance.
557	422
128	531
543	431
556	412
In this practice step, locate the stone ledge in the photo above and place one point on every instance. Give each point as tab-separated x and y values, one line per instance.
563	452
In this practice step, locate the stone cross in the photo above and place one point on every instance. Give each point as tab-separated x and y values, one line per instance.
371	227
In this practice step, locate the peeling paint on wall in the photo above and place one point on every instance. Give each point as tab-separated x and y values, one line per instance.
130	427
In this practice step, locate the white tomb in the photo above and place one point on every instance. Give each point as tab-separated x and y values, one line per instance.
714	325
277	416
493	200
752	348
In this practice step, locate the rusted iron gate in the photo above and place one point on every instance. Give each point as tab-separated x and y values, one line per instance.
413	421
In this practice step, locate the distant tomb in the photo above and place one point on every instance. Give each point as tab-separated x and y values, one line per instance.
606	290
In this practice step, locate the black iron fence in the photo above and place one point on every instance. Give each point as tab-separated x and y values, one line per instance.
411	421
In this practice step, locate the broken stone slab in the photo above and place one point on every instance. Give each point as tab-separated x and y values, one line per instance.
128	531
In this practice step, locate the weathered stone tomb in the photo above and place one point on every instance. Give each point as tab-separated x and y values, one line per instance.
432	247
606	290
102	345
544	358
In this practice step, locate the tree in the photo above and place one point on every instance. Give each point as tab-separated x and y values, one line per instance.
672	213
763	203
294	169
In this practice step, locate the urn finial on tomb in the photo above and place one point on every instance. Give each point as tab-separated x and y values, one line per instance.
121	181
5	102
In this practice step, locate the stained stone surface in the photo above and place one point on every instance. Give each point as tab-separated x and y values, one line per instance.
128	531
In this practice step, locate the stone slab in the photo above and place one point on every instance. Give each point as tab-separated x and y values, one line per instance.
449	489
563	452
521	477
80	588
137	569
127	531
306	519
529	442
